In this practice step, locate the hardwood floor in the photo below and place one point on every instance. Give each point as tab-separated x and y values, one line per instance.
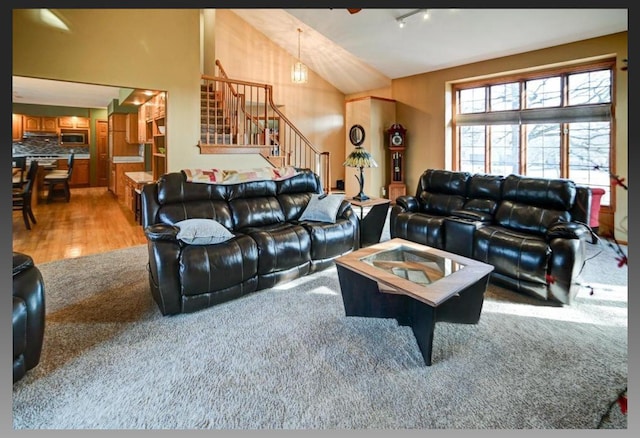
92	222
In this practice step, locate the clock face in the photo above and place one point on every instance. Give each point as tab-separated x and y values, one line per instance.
396	139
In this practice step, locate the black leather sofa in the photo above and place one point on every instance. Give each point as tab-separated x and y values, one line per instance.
28	315
532	230
269	245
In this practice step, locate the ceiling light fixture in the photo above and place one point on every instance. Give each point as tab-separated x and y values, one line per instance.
299	73
402	19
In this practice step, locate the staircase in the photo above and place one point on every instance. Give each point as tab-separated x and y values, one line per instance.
239	117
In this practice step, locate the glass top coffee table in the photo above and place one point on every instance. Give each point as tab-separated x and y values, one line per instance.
415	284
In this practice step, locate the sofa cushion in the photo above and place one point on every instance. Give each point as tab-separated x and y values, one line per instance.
555	194
281	246
202	232
529	218
421	228
322	208
209	268
521	256
484	193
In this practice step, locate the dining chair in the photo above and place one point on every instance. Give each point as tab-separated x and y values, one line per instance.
58	179
19	177
22	196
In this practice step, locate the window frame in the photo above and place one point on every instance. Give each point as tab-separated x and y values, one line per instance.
521	78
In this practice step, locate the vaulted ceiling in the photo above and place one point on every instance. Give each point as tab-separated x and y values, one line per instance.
363	51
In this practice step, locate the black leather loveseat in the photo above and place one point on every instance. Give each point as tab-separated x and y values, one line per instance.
268	245
28	314
532	230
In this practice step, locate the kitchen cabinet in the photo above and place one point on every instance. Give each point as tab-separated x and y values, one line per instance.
131	128
134	181
16	127
142	126
117	136
73	122
80	174
117	182
37	123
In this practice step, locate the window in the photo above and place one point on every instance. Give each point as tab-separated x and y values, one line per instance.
555	124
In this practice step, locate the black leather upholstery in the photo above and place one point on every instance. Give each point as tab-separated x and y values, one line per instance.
270	244
28	315
532	230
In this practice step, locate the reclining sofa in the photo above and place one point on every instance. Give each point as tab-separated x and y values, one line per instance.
268	244
532	230
28	315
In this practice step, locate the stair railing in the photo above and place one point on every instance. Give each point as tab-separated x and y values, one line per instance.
240	117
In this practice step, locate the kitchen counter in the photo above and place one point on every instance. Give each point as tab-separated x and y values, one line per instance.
127	159
139	177
134	182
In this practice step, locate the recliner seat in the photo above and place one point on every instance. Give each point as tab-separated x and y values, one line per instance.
532	230
270	245
28	315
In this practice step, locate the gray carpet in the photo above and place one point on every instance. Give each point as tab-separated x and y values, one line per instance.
288	358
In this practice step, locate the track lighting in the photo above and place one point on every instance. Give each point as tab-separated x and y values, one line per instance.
402	19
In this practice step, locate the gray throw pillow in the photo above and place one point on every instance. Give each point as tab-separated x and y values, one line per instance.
322	208
202	231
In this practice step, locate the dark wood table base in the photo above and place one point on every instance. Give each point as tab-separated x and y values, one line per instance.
362	297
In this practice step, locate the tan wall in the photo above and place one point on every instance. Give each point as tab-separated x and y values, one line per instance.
135	48
424	101
316	108
160	49
375	115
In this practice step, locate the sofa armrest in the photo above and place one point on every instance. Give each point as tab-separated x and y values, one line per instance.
159	232
408	203
472	215
568	230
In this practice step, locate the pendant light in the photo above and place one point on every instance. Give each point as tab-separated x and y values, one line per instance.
299	74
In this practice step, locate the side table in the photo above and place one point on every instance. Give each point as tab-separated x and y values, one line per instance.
372	223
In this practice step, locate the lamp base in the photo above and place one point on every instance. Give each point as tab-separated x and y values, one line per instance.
361	197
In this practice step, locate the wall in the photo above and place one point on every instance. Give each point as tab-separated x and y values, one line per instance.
375	115
161	49
130	48
316	108
424	107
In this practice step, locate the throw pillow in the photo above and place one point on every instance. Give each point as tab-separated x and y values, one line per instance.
322	208
202	231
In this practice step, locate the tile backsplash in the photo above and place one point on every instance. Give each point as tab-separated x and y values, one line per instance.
45	146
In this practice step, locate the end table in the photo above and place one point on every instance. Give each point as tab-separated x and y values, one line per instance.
372	223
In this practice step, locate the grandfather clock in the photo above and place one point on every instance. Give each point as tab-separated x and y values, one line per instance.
397	136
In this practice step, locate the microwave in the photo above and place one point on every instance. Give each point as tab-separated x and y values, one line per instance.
73	138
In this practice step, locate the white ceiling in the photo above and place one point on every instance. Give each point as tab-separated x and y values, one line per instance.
364	51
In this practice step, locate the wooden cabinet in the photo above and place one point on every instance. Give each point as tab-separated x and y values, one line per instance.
80	174
16	127
117	183
118	122
37	123
134	181
142	126
156	129
117	137
131	128
73	122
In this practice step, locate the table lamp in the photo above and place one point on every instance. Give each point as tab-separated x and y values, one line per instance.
360	158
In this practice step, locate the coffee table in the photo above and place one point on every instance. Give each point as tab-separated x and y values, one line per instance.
415	284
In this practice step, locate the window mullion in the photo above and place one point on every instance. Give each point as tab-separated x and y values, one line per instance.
564	150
